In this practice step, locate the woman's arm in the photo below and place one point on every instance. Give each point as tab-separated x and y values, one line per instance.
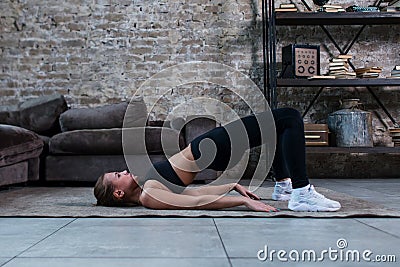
156	198
209	190
220	190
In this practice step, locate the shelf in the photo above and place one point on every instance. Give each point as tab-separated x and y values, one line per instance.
342	18
346	150
338	82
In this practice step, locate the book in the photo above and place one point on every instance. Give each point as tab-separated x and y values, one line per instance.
338	68
287	6
333	10
368	75
338	60
337	72
286	9
355	8
342	63
368	72
321	77
332	6
342	72
370	69
345	56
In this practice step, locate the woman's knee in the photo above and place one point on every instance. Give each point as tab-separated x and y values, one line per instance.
288	116
291	112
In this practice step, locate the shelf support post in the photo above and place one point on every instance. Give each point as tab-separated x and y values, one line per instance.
395	124
313	101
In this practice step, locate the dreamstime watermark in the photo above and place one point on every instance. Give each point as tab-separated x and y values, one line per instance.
338	253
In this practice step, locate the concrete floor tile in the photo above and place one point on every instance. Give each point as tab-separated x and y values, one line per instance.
18	234
248	222
107	262
386	189
245	240
129	238
134	222
389	225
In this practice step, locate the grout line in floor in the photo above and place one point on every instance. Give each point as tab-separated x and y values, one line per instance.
222	242
376	228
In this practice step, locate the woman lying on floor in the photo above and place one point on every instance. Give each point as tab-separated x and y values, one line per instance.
122	188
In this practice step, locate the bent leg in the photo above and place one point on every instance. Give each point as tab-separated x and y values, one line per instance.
290	155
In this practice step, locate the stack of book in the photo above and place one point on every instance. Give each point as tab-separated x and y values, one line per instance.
356	8
369	72
395	134
339	67
331	8
395	72
286	8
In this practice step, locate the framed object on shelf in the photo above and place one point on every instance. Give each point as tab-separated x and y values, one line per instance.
300	61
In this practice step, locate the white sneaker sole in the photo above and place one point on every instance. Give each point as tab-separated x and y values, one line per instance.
280	197
313	208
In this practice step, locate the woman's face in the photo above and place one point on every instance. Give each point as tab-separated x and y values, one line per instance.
122	180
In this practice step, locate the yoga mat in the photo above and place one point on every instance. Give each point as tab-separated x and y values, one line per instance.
80	202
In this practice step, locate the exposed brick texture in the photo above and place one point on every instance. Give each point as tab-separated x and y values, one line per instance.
101	51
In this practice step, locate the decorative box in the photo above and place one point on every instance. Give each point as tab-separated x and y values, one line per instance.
316	134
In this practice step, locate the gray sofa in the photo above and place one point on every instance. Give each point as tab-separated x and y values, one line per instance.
19	155
22	130
80	144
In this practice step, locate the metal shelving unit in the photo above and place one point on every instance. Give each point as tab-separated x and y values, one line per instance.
272	19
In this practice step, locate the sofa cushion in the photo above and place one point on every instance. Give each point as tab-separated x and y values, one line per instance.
109	141
39	114
105	117
9	115
109	116
136	113
18	144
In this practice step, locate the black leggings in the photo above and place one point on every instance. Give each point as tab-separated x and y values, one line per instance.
289	160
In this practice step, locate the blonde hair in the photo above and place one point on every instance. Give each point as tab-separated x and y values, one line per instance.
104	193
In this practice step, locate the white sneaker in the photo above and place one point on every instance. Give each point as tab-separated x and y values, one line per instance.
307	199
282	190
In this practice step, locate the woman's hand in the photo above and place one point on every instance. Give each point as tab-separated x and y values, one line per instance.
257	205
245	192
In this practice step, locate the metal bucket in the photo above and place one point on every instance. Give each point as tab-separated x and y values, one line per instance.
352	126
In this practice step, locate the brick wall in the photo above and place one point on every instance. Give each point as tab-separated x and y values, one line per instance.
101	51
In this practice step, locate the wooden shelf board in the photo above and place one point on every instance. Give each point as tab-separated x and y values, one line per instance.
345	150
341	18
338	82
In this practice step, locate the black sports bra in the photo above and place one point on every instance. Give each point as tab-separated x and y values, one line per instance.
163	172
